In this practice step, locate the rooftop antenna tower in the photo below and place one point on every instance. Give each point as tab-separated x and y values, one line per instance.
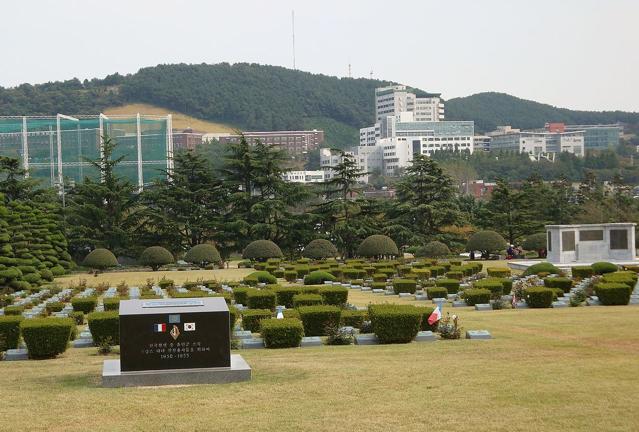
293	26
371	74
350	75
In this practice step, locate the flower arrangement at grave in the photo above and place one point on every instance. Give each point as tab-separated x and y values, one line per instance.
449	327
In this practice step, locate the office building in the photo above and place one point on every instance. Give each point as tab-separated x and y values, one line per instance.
295	143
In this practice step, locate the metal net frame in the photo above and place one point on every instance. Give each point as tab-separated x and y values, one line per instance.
58	149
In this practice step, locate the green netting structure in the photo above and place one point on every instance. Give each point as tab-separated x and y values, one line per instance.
57	149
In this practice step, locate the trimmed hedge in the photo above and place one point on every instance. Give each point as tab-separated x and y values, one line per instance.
77	316
307	300
354	318
315	319
452	285
421	273
437	271
261	299
377	245
262	250
104	327
234	313
603	267
613	293
626	277
261	276
334	295
13	310
241	294
404	286
457	275
426	312
46	337
112	304
284	295
395	323
498	272
281	333
84	304
475	296
320	249
290	275
543	267
437	292
54	307
539	297
558	282
251	318
582	272
318	277
495	286
100	259
9	332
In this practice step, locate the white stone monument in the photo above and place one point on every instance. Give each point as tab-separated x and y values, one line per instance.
590	243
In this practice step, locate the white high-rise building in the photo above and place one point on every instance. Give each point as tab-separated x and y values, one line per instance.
393	100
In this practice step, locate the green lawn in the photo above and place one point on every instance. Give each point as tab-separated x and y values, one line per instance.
573	369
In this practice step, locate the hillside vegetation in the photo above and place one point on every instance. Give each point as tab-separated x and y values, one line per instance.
260	97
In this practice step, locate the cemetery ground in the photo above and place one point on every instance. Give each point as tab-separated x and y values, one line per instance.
572	369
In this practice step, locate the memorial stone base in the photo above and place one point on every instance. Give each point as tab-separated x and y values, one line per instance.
113	377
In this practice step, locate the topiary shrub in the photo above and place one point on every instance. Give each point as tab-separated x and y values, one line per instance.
260	277
290	275
426	312
539	297
404	286
9	332
203	254
498	272
320	249
100	259
281	333
240	294
535	242
613	293
395	323
46	337
54	307
155	257
436	292
77	316
233	316
307	300
261	299
354	318
582	272
251	318
475	296
262	250
13	310
543	267
495	286
284	295
377	246
437	271
457	275
626	277
558	282
84	304
603	267
452	285
433	249
334	295
104	327
487	242
112	304
318	277
317	318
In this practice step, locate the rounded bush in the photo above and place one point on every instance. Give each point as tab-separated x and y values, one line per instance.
452	285
104	327
613	293
262	250
559	282
436	292
281	333
543	267
603	267
316	319
100	259
9	332
475	296
307	300
539	297
377	245
486	241
404	286
495	286
499	272
251	318
395	323
433	249
261	299
260	277
318	277
535	242
203	254
46	337
354	318
155	257
320	249
334	295
582	272
84	304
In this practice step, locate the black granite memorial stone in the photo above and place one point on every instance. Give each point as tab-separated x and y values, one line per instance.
174	334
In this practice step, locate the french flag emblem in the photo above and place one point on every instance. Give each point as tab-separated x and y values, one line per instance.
159	328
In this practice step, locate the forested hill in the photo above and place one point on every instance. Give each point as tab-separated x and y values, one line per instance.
259	97
491	109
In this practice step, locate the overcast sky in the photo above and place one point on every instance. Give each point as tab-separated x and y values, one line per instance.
581	54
